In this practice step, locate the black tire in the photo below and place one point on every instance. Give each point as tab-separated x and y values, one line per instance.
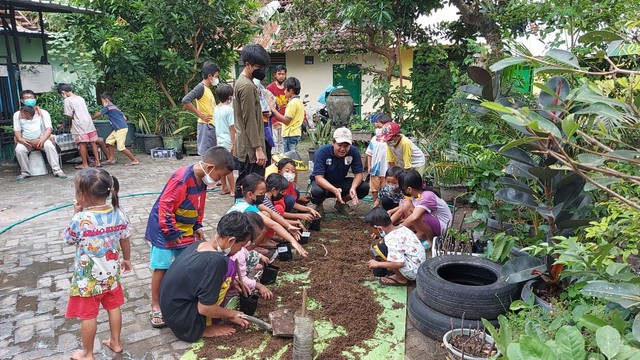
459	285
434	324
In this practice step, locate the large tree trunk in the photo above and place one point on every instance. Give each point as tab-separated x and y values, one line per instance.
488	28
492	34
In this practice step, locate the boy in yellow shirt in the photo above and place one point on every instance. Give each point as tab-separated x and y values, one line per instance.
401	151
293	116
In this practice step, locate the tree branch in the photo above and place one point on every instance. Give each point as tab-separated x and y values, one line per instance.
165	91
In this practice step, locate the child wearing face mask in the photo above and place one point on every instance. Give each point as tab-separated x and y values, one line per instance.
205	104
253	189
404	254
175	221
377	156
390	195
274	201
425	213
249	261
293	200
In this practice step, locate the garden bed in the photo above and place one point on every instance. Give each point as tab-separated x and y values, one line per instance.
353	315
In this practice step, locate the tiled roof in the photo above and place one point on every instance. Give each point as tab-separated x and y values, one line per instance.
275	39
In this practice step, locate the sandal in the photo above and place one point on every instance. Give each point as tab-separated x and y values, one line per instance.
156	319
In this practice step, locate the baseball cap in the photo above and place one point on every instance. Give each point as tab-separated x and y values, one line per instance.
389	130
343	135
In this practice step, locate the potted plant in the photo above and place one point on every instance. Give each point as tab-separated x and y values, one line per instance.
147	138
469	344
320	135
173	126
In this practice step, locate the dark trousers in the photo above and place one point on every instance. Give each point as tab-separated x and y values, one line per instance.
387	203
318	194
245	169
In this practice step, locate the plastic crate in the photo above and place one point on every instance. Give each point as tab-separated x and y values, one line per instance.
163	153
66	142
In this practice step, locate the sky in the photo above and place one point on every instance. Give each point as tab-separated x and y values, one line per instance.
450	13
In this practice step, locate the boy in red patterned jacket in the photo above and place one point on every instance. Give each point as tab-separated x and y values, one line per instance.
175	221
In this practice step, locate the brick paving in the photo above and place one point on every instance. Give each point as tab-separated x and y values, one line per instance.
35	265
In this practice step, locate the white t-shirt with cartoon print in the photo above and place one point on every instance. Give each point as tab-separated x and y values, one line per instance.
403	246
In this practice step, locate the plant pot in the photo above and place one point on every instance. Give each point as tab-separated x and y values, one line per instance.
304	238
455	353
131	135
103	127
146	142
315	224
173	142
312	154
527	292
190	147
249	304
284	252
269	274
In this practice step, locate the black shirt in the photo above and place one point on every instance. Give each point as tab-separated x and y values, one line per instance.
195	276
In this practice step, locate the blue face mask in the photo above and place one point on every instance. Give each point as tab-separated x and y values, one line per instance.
382	232
30	102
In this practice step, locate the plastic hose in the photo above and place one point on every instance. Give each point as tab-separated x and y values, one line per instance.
5	229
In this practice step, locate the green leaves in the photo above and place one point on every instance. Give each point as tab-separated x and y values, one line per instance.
608	340
564	57
570	343
625	294
599	36
504	63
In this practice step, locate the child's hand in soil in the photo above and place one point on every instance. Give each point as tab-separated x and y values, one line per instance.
299	225
265	260
295	232
264	292
314	213
373	264
300	249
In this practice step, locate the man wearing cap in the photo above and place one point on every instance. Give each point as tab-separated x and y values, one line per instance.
332	163
401	151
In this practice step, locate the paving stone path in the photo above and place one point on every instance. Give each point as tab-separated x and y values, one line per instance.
35	265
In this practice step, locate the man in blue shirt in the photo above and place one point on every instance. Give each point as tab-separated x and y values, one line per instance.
331	165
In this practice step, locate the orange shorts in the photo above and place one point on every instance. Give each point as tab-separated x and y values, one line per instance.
86	308
376	183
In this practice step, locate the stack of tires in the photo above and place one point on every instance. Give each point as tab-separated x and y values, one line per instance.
452	287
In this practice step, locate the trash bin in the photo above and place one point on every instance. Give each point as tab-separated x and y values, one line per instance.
103	127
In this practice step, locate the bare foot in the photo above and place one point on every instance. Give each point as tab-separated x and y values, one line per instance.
133	163
81	355
218	330
114	348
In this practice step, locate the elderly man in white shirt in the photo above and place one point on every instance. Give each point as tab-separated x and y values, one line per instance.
32	129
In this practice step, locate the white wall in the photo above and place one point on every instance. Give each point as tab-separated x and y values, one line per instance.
315	78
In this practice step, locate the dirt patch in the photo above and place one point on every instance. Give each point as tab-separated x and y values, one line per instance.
334	281
26	303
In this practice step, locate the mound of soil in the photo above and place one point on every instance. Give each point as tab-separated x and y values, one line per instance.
335	282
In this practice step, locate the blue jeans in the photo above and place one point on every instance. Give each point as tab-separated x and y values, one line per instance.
290	143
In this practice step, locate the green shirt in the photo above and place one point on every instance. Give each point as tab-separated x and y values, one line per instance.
248	119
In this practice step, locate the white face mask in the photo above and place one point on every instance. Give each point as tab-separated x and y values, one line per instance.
216	81
378	132
289	176
226	251
207	179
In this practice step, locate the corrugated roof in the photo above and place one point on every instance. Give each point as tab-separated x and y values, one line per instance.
44	6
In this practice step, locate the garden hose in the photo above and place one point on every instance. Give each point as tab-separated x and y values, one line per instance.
7	228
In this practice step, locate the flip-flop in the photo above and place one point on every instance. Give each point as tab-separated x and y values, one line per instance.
132	164
156	315
80	167
109	163
393	282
